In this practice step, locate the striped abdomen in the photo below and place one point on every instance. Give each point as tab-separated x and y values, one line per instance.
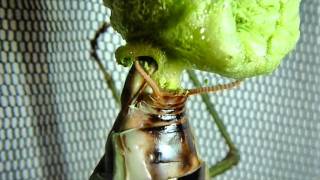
156	142
150	139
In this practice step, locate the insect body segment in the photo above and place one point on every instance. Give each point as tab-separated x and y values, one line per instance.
151	138
155	141
159	145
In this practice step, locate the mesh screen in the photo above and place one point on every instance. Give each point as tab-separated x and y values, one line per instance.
56	110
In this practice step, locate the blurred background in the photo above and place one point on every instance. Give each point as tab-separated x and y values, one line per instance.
56	110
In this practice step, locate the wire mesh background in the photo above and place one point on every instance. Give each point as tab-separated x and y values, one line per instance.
56	110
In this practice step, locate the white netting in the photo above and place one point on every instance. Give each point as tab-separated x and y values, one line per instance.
56	109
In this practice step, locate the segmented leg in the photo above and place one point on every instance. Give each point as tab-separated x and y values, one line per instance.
212	89
150	81
94	48
159	93
232	157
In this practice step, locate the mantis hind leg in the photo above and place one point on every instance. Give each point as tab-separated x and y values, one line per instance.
104	170
232	157
94	48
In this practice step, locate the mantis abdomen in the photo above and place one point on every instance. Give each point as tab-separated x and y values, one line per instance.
160	146
151	138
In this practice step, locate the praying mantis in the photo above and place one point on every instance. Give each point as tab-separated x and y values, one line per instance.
151	138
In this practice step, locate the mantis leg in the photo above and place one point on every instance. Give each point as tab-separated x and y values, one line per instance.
107	77
232	157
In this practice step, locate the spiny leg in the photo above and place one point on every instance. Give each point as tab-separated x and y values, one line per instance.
94	48
232	157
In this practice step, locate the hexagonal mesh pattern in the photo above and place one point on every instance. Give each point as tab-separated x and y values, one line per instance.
56	110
